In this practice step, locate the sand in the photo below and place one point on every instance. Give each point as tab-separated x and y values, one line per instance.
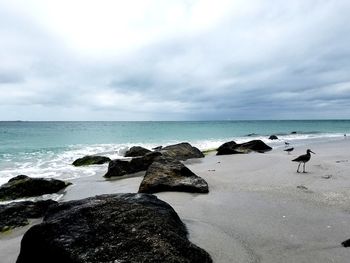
258	208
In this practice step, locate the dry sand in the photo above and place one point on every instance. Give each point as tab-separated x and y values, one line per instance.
258	208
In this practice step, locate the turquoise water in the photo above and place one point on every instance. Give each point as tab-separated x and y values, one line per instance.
48	148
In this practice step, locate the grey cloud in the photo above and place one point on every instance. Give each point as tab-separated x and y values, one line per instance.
281	60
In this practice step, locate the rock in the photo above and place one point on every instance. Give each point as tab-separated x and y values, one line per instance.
24	186
158	148
234	148
346	243
136	151
293	132
122	167
273	137
91	159
166	174
227	148
16	214
142	163
254	145
110	228
251	134
182	151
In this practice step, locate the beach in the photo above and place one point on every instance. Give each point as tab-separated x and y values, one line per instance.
258	209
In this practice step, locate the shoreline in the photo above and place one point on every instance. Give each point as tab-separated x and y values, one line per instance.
255	211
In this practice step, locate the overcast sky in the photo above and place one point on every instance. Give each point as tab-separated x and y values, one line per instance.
174	59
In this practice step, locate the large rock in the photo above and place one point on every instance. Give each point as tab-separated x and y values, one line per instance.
24	186
91	159
234	148
110	228
122	167
182	151
273	137
16	214
171	175
136	151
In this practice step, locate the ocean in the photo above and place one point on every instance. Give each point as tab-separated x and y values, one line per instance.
47	149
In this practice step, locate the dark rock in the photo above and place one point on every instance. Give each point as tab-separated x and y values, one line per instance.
233	148
158	148
166	174
273	137
251	134
24	186
110	228
182	151
227	148
122	167
346	243
91	159
136	151
254	145
16	214
118	168
293	132
142	163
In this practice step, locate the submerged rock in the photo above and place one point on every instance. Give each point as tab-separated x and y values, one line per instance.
91	159
110	228
136	151
273	137
16	214
171	175
182	151
24	186
234	148
122	167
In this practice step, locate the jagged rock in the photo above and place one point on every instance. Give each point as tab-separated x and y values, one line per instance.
122	167
24	186
273	137
16	214
182	151
136	151
110	228
234	148
166	174
91	159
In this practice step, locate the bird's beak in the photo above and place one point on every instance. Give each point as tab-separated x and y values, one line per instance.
312	152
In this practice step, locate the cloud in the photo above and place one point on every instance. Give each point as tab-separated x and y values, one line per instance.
185	60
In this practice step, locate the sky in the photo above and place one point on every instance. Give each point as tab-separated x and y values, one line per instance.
174	60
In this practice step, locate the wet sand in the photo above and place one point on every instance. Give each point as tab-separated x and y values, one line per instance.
258	208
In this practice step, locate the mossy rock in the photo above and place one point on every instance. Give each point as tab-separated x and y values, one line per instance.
23	186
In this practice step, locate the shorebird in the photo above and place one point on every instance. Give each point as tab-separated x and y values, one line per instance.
288	150
286	144
303	159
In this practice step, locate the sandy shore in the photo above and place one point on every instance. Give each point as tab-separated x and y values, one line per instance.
258	208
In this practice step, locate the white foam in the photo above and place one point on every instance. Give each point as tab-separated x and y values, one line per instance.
59	165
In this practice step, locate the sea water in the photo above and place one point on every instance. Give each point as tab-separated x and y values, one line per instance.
47	149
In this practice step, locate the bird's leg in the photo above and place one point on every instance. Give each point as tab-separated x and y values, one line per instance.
304	168
298	168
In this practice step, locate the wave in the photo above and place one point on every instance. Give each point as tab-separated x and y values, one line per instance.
55	163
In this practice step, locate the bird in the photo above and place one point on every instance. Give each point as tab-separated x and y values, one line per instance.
286	144
303	159
288	150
